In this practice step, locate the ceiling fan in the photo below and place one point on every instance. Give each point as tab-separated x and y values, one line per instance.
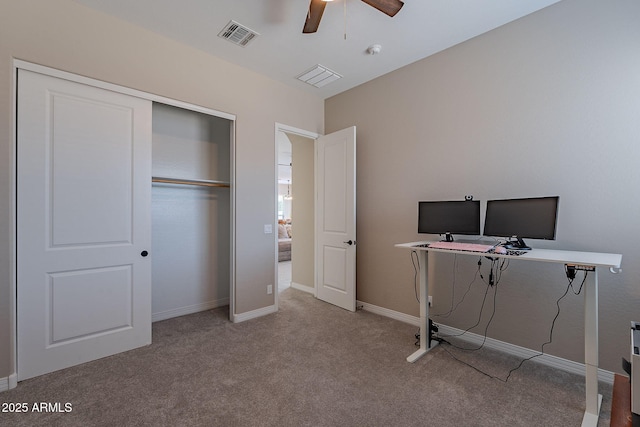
316	9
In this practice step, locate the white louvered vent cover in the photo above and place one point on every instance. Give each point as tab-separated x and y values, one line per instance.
319	76
237	33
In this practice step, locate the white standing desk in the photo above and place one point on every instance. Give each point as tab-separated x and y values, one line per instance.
586	260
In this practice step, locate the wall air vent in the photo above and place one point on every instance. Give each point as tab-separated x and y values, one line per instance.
237	33
319	76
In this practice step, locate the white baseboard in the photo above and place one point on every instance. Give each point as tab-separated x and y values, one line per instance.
300	287
521	352
242	317
406	318
7	383
181	311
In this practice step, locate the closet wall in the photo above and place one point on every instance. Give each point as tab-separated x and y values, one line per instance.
191	224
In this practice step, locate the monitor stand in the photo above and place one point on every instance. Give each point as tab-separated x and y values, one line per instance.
516	243
448	237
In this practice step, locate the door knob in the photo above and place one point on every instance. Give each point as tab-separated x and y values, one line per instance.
144	253
350	242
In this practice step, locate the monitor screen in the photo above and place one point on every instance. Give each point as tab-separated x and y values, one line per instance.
449	217
533	218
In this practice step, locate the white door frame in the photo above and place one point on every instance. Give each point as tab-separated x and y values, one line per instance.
20	64
279	127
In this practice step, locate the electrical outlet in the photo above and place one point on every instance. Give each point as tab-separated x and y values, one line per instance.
430	300
269	289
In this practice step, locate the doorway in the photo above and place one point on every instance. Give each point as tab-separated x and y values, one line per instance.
295	208
323	222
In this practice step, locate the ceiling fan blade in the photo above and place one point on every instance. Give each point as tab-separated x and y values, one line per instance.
316	9
390	7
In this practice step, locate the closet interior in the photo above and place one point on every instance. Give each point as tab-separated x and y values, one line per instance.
191	211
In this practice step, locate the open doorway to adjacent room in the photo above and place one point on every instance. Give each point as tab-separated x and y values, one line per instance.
295	209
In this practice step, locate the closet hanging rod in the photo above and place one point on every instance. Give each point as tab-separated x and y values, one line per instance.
183	181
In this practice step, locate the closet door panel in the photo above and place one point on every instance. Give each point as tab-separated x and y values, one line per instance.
105	165
83	209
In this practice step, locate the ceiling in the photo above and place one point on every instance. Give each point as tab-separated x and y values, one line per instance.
347	29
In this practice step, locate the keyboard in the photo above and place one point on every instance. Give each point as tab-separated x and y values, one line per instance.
458	246
515	253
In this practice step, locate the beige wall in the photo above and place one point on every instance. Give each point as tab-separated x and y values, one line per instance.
546	105
64	35
303	190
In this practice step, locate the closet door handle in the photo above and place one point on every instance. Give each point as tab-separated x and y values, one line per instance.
144	253
350	242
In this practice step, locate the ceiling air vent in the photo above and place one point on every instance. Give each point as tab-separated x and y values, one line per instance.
237	33
319	76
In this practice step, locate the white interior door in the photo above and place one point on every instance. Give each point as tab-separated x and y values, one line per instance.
83	223
336	218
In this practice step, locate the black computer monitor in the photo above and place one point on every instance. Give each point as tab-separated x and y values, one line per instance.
449	217
516	219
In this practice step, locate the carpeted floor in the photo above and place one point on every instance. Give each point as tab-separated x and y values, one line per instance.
310	364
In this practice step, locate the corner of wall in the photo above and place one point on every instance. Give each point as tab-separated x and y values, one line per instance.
8	383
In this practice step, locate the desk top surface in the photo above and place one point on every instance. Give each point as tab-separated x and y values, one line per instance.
595	259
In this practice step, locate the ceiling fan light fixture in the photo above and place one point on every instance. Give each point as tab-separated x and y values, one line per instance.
288	196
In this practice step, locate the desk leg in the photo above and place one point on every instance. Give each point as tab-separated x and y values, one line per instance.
593	399
423	257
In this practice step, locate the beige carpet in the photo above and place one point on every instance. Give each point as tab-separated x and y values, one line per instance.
310	364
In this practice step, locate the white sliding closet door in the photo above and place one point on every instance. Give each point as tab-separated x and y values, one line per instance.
83	223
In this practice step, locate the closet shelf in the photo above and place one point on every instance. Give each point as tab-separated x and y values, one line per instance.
183	181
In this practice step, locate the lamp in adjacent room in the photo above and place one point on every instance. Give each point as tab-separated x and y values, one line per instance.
288	196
